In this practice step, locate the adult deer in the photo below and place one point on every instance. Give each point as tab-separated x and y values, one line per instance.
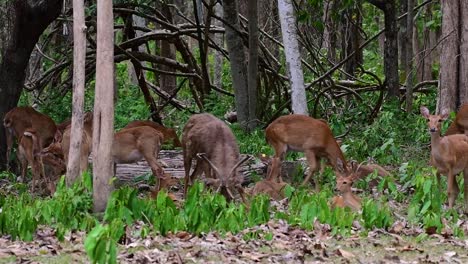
309	135
449	155
19	119
168	133
212	142
133	144
460	124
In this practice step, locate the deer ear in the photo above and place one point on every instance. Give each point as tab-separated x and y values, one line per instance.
424	111
444	115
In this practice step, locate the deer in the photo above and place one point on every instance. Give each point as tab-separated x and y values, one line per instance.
347	197
62	143
19	119
210	141
309	135
460	124
168	133
449	155
132	144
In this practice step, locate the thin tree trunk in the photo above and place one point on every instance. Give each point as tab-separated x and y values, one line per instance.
293	59
447	99
402	39
79	63
218	56
409	57
391	49
253	63
168	82
103	126
237	58
139	22
463	85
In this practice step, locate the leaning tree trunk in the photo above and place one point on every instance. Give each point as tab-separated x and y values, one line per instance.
218	56
293	59
103	124
448	83
23	23
237	58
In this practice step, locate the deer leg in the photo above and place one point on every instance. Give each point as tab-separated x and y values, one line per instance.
187	166
280	154
439	184
452	188
312	161
274	172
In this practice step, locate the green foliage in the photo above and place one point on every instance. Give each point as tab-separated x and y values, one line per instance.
376	214
101	242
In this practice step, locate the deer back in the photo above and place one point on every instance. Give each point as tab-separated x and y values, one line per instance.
204	133
303	133
19	119
460	124
168	133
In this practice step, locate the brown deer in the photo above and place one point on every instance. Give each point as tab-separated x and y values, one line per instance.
309	135
271	188
19	119
168	133
212	142
347	197
460	124
449	155
133	144
62	145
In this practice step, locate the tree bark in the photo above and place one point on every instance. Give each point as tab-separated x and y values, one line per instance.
168	82
24	24
391	45
237	58
402	38
463	83
409	57
449	70
253	63
293	59
79	64
218	56
103	125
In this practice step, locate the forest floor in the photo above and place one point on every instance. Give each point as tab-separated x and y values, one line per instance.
273	242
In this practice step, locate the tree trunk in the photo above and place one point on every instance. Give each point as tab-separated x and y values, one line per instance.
253	63
447	99
293	59
103	125
352	38
391	45
24	24
168	82
237	58
218	56
329	31
463	82
139	22
409	57
79	64
402	38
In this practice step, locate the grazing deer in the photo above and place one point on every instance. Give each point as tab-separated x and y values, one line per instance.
212	142
133	144
347	198
309	135
460	124
168	133
449	155
19	119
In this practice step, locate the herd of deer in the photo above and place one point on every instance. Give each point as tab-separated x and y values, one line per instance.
44	146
